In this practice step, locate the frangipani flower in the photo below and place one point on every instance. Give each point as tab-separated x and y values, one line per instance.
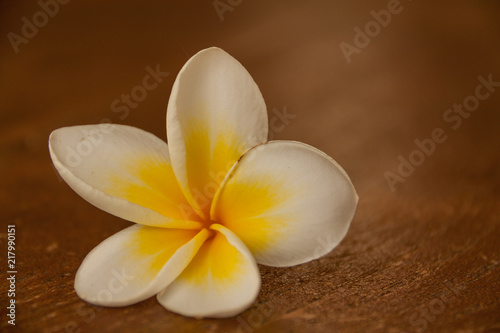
210	206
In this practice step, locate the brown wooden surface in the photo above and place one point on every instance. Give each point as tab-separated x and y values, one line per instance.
424	258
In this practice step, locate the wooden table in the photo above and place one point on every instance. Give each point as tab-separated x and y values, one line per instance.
422	254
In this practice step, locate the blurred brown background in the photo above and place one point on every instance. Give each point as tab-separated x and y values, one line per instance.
422	254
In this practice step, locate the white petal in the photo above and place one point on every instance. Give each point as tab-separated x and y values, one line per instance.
215	114
124	171
135	264
288	202
221	281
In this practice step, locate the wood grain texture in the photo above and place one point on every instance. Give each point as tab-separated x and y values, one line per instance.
422	258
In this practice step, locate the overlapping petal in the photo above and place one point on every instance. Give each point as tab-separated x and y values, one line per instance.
135	264
221	281
124	171
215	114
288	202
211	205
